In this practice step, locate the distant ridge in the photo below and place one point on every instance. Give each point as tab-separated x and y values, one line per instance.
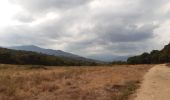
9	56
57	53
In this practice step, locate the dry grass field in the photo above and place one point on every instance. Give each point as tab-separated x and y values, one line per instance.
70	83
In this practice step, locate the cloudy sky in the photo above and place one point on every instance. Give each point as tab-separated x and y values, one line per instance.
91	28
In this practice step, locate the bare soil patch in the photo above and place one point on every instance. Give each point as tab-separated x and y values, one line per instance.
156	84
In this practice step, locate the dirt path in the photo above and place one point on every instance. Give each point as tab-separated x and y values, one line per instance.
156	84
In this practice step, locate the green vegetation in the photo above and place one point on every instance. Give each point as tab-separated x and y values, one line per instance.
8	56
155	57
118	63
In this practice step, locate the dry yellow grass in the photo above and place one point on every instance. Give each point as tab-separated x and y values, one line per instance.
69	83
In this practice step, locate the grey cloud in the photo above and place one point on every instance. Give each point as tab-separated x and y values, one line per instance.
25	35
45	5
87	31
24	17
126	33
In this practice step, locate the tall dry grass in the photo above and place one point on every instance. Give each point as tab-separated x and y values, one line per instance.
69	83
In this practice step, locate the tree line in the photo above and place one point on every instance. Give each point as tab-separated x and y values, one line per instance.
154	57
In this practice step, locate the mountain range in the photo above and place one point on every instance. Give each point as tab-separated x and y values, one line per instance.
57	53
25	57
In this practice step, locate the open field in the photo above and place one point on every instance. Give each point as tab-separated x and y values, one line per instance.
70	83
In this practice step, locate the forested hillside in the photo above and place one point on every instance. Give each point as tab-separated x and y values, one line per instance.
8	56
155	57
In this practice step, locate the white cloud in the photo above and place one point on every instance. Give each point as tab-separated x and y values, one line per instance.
87	27
7	11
